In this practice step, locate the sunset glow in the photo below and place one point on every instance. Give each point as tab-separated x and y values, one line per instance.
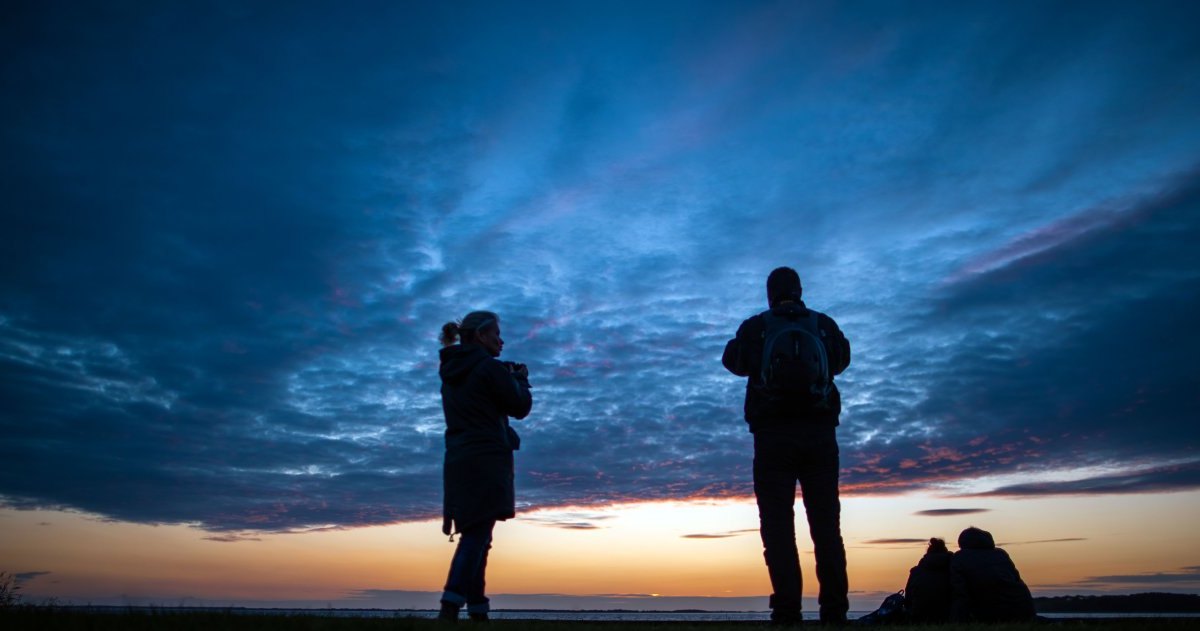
641	551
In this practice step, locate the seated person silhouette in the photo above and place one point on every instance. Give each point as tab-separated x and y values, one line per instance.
986	584
927	594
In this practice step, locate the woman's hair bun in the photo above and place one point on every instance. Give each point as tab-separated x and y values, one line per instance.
449	333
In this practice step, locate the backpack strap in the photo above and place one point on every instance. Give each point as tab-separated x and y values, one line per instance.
815	319
765	359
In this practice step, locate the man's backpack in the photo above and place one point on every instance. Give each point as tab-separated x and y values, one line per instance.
795	367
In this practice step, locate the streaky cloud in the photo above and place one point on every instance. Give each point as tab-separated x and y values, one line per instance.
720	535
24	577
1185	575
1029	543
576	526
1181	477
231	538
568	520
950	512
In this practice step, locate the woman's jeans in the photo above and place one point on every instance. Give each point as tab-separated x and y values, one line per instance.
465	584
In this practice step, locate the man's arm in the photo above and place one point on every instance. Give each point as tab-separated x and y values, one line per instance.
845	363
839	348
734	357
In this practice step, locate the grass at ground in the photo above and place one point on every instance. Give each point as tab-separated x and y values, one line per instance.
64	619
47	619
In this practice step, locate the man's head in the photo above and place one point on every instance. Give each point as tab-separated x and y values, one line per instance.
783	284
975	539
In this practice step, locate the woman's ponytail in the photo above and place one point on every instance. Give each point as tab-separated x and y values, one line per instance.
465	330
449	333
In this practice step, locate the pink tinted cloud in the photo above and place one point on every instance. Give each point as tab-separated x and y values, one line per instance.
1042	240
1040	243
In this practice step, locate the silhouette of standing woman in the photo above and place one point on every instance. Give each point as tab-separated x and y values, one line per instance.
479	393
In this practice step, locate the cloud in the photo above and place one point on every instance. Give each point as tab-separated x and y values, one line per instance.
1044	240
568	520
230	538
720	535
1022	375
1027	543
576	526
1186	575
950	512
223	274
904	542
25	577
1181	477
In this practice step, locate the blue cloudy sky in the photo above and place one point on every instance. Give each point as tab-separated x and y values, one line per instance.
232	231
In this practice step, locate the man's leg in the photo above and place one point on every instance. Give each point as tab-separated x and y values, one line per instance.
819	486
775	491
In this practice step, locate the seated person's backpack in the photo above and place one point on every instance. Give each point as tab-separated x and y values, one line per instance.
892	611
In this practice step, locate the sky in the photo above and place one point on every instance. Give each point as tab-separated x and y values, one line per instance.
232	232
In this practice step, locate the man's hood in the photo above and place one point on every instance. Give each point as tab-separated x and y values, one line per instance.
790	309
458	361
976	539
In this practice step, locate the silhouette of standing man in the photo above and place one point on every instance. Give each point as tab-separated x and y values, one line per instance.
790	354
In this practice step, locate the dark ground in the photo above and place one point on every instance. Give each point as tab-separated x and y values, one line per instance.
55	619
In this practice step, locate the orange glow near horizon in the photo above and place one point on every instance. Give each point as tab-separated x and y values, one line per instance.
630	549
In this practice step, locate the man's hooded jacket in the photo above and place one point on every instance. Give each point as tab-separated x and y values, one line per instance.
479	393
987	586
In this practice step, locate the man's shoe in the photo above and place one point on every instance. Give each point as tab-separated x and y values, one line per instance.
834	621
785	617
449	612
479	617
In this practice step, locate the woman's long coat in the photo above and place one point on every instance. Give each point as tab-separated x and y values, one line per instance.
479	393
